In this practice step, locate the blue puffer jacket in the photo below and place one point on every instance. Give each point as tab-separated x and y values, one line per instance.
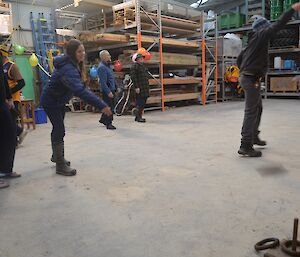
66	82
107	78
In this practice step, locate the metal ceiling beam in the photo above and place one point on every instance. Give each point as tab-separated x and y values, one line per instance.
36	3
186	2
102	3
220	5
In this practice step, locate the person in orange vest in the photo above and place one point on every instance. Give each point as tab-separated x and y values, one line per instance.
15	83
7	132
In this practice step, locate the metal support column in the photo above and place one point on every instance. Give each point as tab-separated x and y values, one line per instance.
161	69
158	42
138	22
209	61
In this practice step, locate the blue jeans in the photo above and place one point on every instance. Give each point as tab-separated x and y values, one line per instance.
8	140
56	117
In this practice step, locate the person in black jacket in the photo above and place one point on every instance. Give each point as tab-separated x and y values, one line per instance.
15	83
140	79
8	137
253	64
65	82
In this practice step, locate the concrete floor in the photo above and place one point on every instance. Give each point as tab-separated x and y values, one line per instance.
173	187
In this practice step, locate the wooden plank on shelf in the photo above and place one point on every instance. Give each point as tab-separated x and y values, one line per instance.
172	59
170	21
168	41
177	81
92	37
98	39
173	98
170	30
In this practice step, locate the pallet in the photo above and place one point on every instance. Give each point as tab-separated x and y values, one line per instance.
283	84
174	98
126	11
177	81
283	92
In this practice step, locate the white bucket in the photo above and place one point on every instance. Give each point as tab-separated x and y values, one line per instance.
277	62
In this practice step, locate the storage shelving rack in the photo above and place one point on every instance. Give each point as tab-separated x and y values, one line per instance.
209	61
282	51
136	28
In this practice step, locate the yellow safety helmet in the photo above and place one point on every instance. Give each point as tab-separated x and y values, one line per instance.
4	49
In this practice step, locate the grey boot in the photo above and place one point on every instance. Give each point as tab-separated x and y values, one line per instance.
53	157
61	167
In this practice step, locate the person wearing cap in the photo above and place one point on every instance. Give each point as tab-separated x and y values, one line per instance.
16	83
140	78
253	64
108	86
7	131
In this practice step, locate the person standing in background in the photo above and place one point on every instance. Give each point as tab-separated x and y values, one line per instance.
16	83
140	78
7	131
108	86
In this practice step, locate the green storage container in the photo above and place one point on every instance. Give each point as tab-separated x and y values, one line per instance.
231	20
236	20
276	9
223	21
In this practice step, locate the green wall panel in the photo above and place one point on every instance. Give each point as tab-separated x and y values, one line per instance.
26	71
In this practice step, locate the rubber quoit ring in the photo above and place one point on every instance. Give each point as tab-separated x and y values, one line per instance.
267	243
286	246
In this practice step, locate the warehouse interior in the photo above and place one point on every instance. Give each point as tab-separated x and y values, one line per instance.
174	186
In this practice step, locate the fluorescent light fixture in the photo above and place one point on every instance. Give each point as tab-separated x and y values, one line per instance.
195	5
65	7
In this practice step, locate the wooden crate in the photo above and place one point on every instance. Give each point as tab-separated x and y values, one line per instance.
283	84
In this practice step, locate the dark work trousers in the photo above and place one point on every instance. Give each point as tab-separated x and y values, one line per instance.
8	140
56	117
107	120
16	115
141	102
253	108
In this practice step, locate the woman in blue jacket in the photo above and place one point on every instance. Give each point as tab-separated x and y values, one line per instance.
65	82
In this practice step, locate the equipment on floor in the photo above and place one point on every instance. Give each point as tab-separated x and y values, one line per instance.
122	103
231	77
232	74
287	247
